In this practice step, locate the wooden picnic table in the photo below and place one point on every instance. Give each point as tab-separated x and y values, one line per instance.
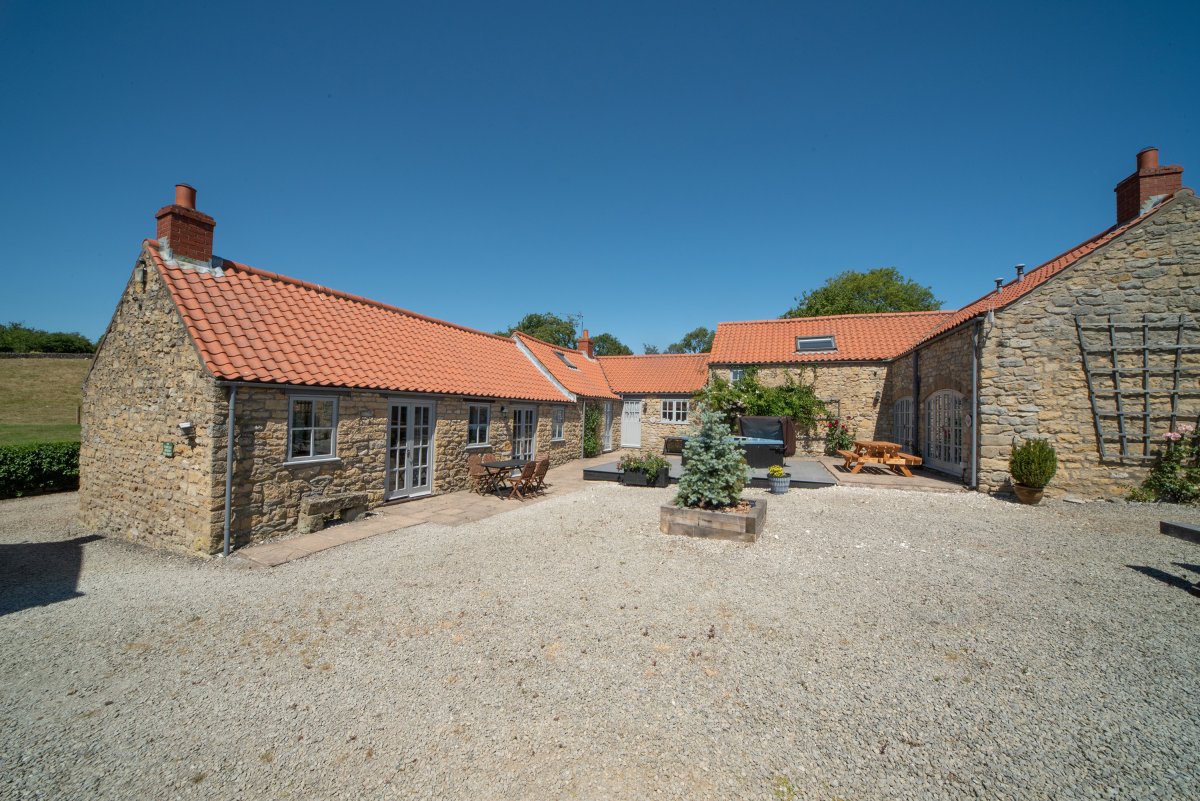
880	452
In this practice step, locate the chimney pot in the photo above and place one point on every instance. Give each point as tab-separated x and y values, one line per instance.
185	196
1020	271
999	283
585	345
1149	184
1147	158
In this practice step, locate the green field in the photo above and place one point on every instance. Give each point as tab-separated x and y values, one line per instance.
39	399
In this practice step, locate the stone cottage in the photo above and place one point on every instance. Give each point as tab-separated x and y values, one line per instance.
656	393
224	398
1096	350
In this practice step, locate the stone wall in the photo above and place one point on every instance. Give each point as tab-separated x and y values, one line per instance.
654	428
943	364
847	388
1032	379
147	378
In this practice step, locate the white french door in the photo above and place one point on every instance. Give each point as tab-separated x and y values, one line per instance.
944	432
410	449
902	424
524	432
608	423
631	424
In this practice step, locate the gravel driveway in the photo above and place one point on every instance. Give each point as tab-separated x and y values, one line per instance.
876	644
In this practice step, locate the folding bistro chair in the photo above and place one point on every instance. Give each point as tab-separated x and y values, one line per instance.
539	475
524	482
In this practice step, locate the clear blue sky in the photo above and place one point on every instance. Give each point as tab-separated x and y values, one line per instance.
652	166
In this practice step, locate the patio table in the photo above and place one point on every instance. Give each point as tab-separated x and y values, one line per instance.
501	471
876	451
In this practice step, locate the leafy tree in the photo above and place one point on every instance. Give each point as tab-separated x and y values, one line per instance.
698	340
715	472
649	349
18	338
548	327
883	289
608	345
748	396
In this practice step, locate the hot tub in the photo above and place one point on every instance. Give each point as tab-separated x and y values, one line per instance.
760	453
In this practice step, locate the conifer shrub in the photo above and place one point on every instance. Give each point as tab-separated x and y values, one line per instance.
1033	463
714	472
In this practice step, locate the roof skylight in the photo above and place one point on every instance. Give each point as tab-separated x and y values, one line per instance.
815	344
565	360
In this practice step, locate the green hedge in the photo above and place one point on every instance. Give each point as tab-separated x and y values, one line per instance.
43	467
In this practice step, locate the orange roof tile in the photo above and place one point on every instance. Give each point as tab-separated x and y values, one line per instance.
1016	289
252	325
859	337
587	379
665	373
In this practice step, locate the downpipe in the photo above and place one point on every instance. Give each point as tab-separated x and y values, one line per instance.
229	463
975	406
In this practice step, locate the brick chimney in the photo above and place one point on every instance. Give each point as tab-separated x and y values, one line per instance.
585	345
188	232
1149	184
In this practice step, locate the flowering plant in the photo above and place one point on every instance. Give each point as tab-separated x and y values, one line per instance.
776	471
1175	476
837	438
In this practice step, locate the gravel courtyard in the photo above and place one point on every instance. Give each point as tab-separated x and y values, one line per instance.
876	644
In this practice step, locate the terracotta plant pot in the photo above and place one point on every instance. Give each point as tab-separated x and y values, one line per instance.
1028	495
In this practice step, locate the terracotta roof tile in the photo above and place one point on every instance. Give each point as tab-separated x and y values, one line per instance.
666	373
587	379
859	337
252	325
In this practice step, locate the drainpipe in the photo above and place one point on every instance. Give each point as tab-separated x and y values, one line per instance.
583	430
229	464
975	405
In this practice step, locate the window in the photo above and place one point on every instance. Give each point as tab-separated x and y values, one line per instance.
565	360
479	420
902	424
557	422
675	411
815	344
737	374
312	428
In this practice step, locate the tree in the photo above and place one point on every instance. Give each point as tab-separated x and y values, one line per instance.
608	345
548	327
883	289
18	338
649	349
698	340
715	469
794	398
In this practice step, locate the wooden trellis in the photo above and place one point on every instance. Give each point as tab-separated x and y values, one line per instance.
1145	363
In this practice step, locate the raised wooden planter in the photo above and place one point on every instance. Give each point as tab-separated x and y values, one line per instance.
714	525
636	478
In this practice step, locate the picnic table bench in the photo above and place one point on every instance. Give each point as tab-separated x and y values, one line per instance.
878	452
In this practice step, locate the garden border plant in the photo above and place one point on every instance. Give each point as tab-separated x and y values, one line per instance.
38	467
1175	475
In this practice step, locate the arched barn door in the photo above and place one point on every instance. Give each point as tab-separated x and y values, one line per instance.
944	432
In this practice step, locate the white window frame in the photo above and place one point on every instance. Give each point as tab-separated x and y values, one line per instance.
737	374
675	410
558	423
476	409
292	427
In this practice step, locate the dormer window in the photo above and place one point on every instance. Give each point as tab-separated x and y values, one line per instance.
565	360
815	344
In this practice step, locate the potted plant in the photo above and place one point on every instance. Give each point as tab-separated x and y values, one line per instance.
1032	465
644	469
778	479
709	503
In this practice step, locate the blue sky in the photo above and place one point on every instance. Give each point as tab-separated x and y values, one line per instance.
651	166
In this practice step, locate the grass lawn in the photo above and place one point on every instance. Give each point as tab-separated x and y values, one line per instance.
19	434
39	399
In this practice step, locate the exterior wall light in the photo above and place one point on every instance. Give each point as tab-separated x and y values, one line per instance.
187	428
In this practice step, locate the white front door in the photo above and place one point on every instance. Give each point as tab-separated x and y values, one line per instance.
631	424
944	432
524	432
410	449
608	421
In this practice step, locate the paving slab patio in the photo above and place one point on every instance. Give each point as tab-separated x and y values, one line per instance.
450	509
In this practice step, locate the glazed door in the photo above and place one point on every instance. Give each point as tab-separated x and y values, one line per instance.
631	424
608	425
944	432
524	432
410	449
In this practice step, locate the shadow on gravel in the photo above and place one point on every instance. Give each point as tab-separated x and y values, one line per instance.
1177	582
40	573
1186	566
